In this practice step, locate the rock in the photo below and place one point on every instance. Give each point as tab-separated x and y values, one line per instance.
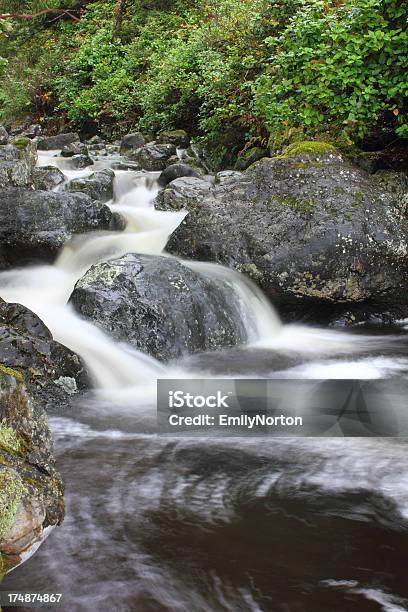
17	162
159	306
183	193
26	345
249	157
32	131
36	224
174	159
3	135
80	161
228	176
176	171
46	178
153	157
310	228
99	185
95	140
122	165
131	143
393	158
31	490
49	143
112	149
96	147
74	148
178	138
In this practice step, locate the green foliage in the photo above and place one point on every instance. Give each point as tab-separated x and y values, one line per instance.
11	491
342	64
233	73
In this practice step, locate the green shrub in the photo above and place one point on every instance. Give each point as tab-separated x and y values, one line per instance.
341	65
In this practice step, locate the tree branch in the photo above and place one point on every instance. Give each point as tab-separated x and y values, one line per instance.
34	15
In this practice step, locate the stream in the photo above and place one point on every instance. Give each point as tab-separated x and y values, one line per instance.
160	524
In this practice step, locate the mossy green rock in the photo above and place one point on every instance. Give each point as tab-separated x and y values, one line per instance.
309	148
31	490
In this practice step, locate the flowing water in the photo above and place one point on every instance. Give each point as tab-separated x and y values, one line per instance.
210	524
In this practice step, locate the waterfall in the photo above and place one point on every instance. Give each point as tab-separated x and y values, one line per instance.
46	289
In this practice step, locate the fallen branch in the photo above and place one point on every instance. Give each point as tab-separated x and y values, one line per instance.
34	15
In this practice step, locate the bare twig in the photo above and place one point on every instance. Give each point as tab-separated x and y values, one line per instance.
34	15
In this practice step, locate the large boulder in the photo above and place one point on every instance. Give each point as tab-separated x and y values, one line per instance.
131	143
52	373
31	490
34	225
153	157
99	185
49	143
159	306
17	162
46	178
310	228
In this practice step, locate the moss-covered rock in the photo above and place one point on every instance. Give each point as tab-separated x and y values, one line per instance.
309	148
31	491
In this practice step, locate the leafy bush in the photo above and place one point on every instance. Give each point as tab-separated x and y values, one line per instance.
232	72
340	65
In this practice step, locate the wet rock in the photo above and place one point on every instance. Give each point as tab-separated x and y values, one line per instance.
3	135
46	178
49	143
176	171
122	165
80	161
31	490
183	193
27	346
36	224
178	138
159	306
98	186
308	227
153	157
74	148
131	143
17	162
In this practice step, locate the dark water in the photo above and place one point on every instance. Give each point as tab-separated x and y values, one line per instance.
165	525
